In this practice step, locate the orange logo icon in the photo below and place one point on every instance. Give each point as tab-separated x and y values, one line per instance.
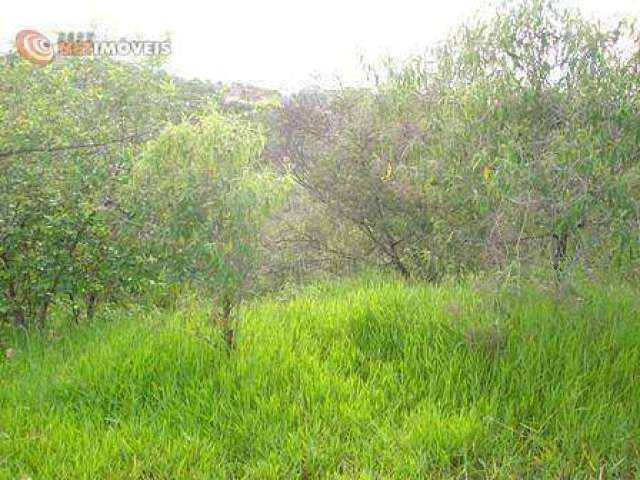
34	46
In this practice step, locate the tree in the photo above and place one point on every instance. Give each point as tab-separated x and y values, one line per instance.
69	132
201	200
515	137
353	153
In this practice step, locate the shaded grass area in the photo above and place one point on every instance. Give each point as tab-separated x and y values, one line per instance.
367	379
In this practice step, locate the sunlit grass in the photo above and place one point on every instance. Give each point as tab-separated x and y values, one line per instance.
369	379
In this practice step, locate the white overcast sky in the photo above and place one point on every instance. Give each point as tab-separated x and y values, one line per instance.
281	44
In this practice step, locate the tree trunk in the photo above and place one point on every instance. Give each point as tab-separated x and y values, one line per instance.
92	300
18	313
559	252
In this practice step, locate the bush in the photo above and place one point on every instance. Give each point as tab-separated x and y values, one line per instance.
513	144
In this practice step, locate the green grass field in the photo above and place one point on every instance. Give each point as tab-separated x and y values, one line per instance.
367	379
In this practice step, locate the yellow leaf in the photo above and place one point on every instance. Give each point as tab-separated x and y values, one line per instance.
487	172
388	174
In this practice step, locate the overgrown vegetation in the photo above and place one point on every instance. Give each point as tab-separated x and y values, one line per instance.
113	180
513	143
154	210
372	379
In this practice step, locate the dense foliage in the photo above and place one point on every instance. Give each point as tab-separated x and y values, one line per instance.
513	143
199	204
497	177
113	179
511	146
67	131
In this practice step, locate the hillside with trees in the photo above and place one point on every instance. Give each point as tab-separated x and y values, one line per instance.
433	276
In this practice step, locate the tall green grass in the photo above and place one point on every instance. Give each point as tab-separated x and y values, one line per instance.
368	379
